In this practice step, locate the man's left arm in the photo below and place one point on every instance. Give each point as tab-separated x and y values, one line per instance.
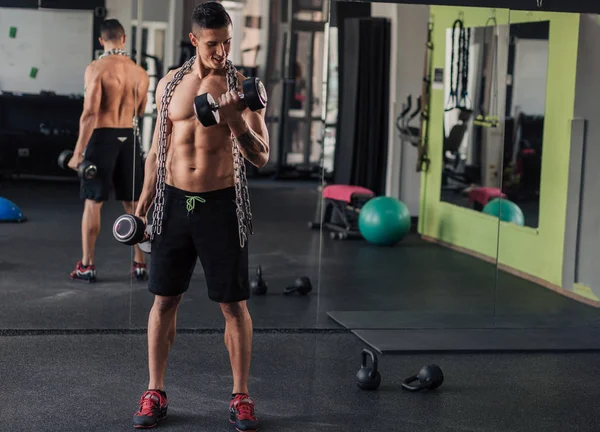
253	137
91	107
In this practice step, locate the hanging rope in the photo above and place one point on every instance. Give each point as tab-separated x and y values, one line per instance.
453	96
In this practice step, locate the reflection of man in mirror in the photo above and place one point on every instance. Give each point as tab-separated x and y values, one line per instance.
195	176
115	93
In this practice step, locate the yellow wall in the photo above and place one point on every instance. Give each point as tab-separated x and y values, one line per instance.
538	252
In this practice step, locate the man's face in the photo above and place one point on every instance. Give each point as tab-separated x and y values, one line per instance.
212	46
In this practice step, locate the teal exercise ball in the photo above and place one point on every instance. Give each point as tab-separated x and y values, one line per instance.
384	221
508	211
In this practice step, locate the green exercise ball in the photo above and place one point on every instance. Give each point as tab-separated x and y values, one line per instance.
508	211
384	221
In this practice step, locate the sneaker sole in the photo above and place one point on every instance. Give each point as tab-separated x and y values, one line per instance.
82	279
239	430
158	420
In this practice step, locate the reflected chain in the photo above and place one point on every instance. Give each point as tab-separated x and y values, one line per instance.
114	52
242	197
159	200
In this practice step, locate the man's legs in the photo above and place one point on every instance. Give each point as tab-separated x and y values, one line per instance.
162	324
90	228
161	336
238	339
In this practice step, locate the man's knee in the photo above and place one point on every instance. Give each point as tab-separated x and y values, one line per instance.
93	205
235	311
166	305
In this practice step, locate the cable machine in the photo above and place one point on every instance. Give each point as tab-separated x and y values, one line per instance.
302	38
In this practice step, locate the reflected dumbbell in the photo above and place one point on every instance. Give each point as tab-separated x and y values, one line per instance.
253	94
131	230
86	170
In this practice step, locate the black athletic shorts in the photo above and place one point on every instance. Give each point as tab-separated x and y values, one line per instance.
120	165
200	225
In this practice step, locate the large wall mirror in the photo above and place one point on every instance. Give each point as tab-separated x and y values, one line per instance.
281	43
399	249
488	154
545	275
61	266
525	111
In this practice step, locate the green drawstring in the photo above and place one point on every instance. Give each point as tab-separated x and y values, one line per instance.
191	202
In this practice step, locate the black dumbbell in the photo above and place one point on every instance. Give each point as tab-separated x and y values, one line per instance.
302	285
131	230
86	170
253	94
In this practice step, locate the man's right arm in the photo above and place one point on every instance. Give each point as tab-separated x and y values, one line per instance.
151	169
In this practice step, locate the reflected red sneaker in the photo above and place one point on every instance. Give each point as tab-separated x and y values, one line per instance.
153	408
139	271
84	273
241	413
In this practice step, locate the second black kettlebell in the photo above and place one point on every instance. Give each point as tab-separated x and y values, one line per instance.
368	378
429	377
258	286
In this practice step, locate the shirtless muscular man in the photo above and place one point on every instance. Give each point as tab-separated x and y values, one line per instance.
115	92
197	175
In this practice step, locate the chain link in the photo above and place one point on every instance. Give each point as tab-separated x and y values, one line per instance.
114	52
242	197
159	200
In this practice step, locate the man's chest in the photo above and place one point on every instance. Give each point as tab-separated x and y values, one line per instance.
182	102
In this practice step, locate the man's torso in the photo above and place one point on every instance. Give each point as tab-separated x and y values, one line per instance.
199	159
120	77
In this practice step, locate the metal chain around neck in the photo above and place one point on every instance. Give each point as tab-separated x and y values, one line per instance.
159	200
242	196
114	51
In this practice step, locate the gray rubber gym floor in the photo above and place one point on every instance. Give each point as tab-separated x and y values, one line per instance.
300	383
413	285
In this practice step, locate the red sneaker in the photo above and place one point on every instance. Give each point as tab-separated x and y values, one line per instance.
241	413
139	271
153	408
84	273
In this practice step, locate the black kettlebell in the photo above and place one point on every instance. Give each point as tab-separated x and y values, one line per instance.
430	377
368	378
258	284
302	285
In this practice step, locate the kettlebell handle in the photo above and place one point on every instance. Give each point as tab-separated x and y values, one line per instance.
367	353
259	271
406	384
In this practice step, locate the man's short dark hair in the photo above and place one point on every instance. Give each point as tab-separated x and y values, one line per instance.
111	30
210	15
